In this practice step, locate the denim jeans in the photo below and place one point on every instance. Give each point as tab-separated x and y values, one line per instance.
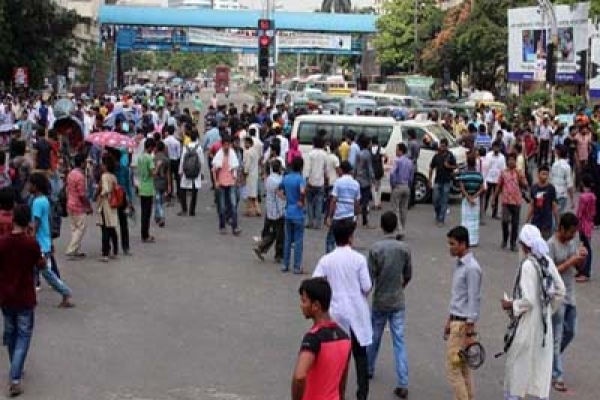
294	233
365	198
159	206
564	323
54	281
562	206
396	321
18	329
314	206
441	196
227	197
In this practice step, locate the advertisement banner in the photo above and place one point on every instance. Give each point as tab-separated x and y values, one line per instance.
594	83
528	35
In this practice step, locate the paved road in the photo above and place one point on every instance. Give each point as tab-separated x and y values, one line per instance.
197	316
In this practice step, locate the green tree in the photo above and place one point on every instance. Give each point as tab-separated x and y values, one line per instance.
36	34
395	42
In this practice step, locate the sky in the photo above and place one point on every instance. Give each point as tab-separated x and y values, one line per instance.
299	5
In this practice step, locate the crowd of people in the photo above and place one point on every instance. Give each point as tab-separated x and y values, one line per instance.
249	157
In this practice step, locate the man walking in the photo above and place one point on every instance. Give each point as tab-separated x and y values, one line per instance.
275	210
464	312
322	365
365	177
569	256
146	172
347	272
315	172
174	153
443	164
21	256
345	198
401	179
390	267
494	163
293	190
561	176
190	174
414	149
225	168
543	208
77	206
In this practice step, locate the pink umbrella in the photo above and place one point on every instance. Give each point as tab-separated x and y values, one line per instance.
111	139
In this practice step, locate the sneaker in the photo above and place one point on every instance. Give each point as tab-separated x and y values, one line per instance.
237	232
15	389
259	254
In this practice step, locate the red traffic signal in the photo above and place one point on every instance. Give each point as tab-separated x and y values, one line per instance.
264	24
264	41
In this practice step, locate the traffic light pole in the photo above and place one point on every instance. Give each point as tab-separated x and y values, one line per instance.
547	9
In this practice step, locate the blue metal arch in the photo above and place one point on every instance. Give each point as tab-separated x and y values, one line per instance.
236	19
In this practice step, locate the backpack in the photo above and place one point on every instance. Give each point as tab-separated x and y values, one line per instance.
191	163
5	180
377	161
117	196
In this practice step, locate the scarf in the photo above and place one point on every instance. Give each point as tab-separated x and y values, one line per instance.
234	163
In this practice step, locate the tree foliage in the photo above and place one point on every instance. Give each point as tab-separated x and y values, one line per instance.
186	65
395	41
36	34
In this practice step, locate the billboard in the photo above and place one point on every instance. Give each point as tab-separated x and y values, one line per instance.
528	35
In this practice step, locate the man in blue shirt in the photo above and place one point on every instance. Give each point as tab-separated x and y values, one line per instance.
345	199
39	186
354	150
293	188
483	139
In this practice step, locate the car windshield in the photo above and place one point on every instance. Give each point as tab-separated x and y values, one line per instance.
441	133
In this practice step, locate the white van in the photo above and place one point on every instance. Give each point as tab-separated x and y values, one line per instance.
389	133
350	105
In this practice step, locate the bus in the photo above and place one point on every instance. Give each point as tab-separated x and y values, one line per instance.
222	78
410	85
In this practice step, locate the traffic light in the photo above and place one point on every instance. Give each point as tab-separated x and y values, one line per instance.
265	38
551	64
582	63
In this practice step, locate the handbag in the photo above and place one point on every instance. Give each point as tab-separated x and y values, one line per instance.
117	196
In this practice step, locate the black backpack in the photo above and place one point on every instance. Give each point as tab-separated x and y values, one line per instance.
377	161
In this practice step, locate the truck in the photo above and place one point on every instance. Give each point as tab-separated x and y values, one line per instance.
222	78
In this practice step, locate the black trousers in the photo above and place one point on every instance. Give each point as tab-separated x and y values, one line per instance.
146	206
365	198
510	216
544	152
109	237
361	365
175	180
491	188
183	199
123	227
273	233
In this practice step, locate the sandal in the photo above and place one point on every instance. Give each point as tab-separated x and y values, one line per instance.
559	386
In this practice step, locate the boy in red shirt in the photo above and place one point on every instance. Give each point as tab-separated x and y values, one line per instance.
21	255
322	365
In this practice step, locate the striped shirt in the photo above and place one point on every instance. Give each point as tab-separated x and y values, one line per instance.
472	181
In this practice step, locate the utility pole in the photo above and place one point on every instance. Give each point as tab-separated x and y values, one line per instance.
547	9
416	34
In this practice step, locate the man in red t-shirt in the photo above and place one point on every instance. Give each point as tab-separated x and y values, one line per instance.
322	365
21	255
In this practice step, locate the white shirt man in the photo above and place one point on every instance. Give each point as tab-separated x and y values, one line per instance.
495	163
173	148
545	132
315	167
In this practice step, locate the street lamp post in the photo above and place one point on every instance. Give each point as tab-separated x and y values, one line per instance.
416	34
547	9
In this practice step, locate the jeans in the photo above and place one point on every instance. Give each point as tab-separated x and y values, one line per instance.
510	215
146	206
490	191
365	198
227	198
314	206
562	206
564	322
587	268
18	329
52	279
183	199
294	233
441	196
175	179
159	206
396	321
123	227
273	233
361	364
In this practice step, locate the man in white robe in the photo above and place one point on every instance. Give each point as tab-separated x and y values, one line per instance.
538	292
